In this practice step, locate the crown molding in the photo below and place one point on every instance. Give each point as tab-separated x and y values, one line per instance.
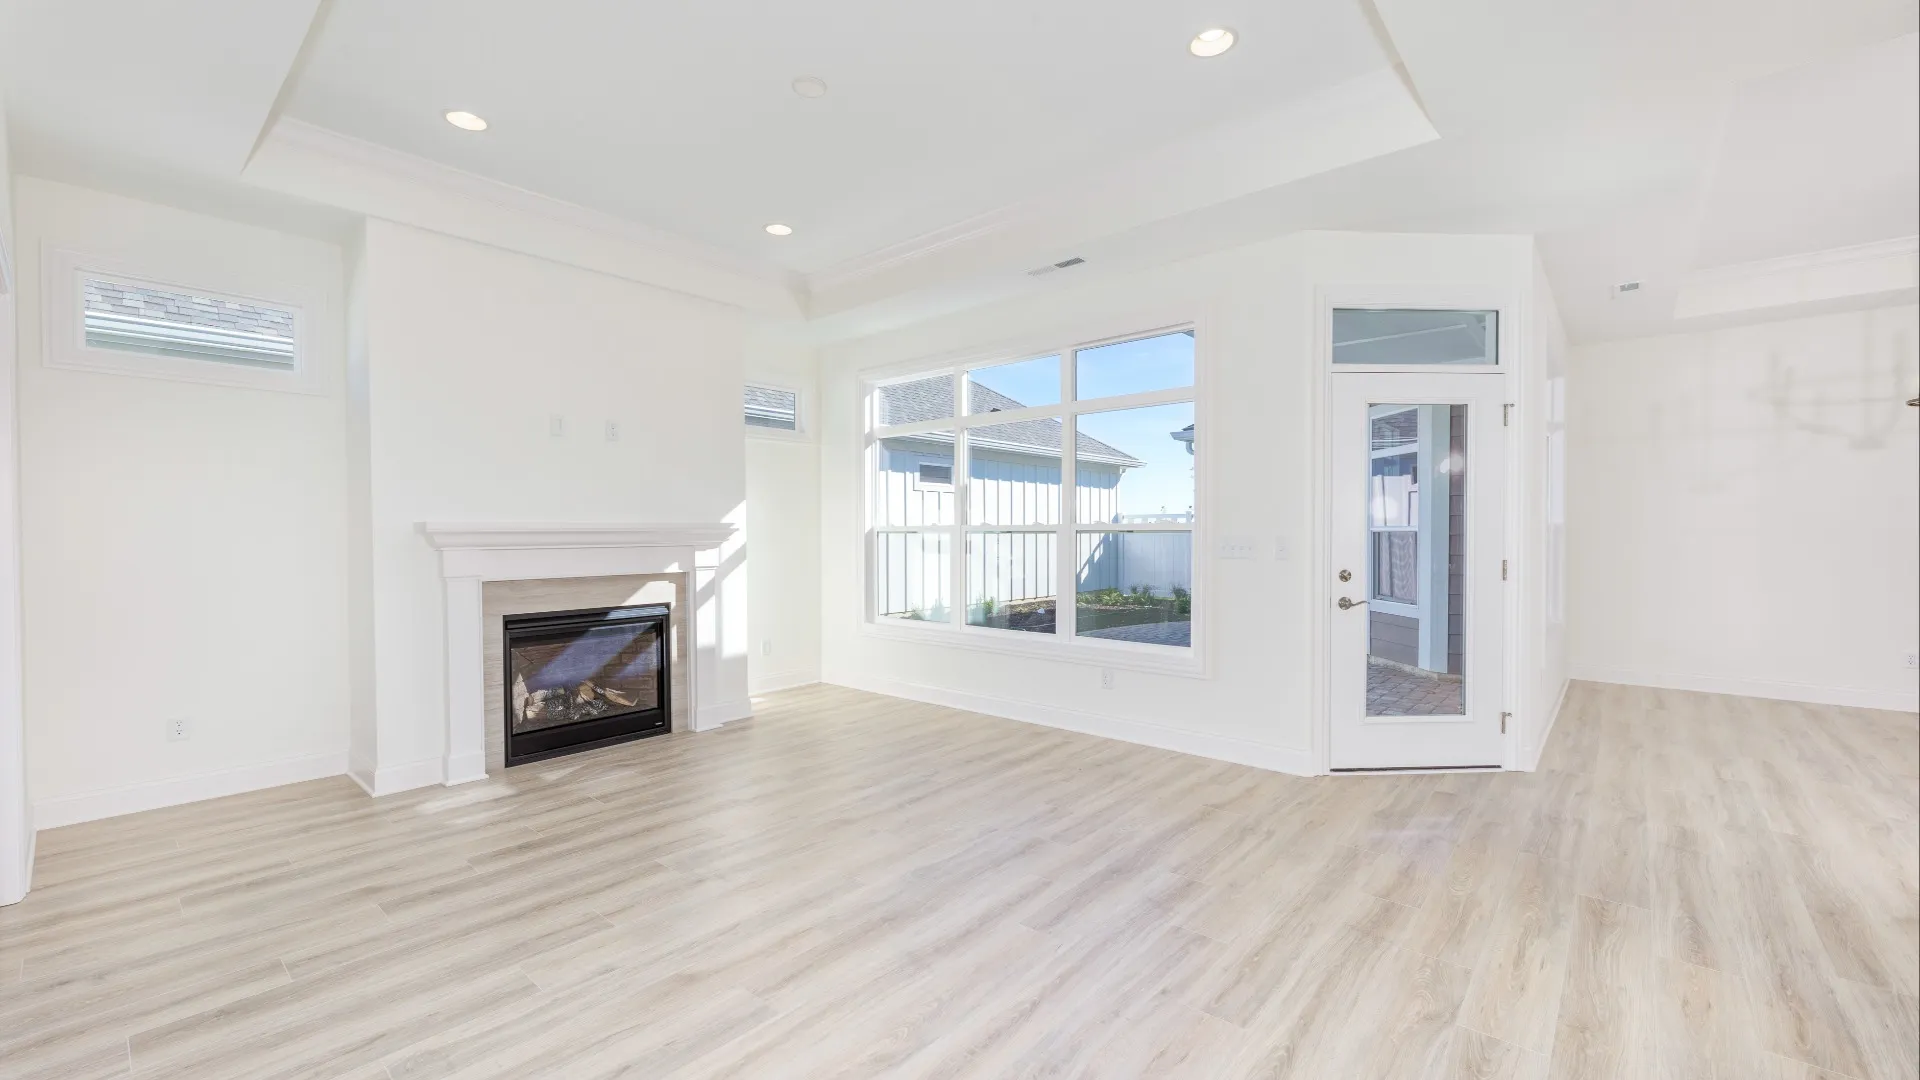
1859	273
327	167
522	535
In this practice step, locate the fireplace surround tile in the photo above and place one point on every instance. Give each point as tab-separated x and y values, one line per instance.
531	596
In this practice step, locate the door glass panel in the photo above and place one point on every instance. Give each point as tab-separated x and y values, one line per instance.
1406	336
1416	564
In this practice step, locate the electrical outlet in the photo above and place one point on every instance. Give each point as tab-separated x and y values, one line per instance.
557	426
613	431
177	729
766	647
1282	551
1913	659
1106	678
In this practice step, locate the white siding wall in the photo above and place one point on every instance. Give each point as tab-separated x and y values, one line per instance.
1018	491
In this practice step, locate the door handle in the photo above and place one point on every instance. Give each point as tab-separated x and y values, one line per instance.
1346	603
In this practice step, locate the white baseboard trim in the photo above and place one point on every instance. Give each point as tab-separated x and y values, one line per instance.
360	772
25	881
775	681
1855	697
1539	747
466	769
1285	759
132	799
392	779
726	712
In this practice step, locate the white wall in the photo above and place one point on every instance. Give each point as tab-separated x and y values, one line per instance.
183	544
1541	427
469	350
1255	311
16	820
783	526
1743	510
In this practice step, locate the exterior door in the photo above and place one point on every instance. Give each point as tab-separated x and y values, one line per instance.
1418	463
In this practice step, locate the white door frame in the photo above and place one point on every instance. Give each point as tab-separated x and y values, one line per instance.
1512	362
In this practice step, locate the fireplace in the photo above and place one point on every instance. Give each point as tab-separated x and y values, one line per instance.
577	680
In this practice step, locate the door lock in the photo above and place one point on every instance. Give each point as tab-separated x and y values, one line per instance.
1345	603
1346	575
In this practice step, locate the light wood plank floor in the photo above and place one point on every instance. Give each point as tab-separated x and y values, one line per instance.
850	885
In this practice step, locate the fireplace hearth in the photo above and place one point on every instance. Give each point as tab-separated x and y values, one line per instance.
578	680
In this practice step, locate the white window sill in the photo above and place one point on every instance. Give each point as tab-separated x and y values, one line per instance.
1121	656
777	434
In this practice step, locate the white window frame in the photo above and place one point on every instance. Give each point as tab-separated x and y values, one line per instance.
65	337
802	428
1065	643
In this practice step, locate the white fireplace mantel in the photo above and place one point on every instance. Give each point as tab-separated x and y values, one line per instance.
472	553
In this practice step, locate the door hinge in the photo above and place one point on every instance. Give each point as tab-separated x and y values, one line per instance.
1504	717
1503	569
1506	415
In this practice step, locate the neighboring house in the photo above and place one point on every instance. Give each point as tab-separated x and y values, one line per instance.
1416	510
1014	477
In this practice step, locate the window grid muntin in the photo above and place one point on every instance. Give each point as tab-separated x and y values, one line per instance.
1068	531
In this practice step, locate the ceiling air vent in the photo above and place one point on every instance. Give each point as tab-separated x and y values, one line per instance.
1626	287
1041	271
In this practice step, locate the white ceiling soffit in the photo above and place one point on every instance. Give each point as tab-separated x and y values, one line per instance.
311	163
1822	156
681	116
1864	275
1363	118
1530	64
178	88
1802	199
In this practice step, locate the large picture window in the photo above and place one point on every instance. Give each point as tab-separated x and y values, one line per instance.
973	524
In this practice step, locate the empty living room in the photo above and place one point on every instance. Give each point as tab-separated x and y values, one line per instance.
1324	540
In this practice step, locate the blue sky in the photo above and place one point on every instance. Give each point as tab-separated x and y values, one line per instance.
1165	483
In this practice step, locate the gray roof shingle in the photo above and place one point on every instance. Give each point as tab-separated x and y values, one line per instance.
932	399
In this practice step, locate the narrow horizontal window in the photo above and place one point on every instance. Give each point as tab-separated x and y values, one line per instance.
772	408
1394	336
161	322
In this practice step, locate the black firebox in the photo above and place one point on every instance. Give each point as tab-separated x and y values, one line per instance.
577	680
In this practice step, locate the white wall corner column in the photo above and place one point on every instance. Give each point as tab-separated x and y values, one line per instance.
472	554
16	822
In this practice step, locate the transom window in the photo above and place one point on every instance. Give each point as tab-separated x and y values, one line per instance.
144	318
106	317
973	522
772	408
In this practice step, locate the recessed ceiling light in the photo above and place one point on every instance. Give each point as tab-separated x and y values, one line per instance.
466	121
1211	42
809	87
777	229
